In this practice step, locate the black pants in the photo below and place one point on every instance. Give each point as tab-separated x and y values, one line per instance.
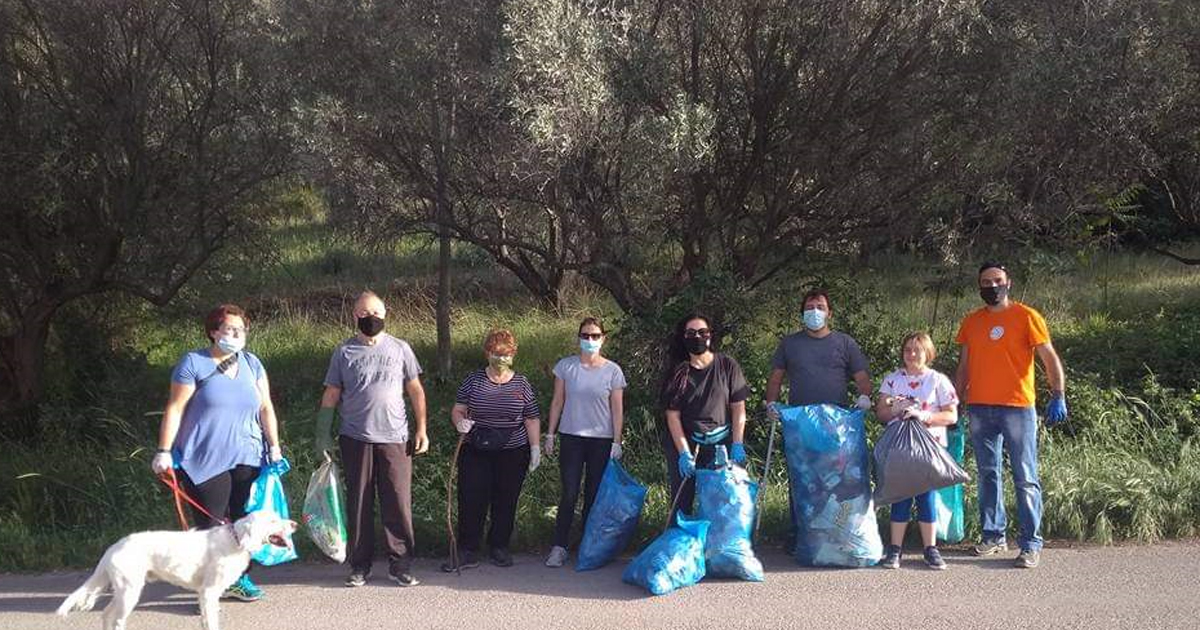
384	470
704	459
489	482
577	455
224	496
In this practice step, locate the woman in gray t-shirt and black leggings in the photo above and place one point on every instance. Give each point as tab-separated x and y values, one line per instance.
588	390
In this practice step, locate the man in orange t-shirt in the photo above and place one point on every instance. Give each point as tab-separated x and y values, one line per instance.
995	380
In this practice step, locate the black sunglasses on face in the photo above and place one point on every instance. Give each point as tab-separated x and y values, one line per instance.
693	333
592	336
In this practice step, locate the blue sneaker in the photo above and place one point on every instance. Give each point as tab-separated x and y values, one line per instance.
243	589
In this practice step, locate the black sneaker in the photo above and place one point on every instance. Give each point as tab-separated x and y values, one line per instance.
989	547
892	559
466	560
403	578
501	557
933	559
357	577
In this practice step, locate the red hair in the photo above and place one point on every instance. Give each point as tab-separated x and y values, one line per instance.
216	317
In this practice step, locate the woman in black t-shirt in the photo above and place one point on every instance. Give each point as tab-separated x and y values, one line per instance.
704	395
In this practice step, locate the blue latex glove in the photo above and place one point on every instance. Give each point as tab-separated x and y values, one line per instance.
716	436
738	453
687	465
1056	411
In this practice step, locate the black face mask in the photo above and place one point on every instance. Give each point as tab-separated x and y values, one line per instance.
370	325
993	295
695	345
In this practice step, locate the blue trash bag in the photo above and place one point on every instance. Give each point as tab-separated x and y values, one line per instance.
267	494
826	448
726	500
613	518
674	560
950	517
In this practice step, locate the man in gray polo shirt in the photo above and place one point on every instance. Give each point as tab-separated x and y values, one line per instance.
367	377
818	362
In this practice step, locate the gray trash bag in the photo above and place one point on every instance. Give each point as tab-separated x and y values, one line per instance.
909	462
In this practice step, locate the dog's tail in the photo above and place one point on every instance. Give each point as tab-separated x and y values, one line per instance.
85	596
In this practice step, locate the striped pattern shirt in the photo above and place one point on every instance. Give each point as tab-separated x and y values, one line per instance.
499	405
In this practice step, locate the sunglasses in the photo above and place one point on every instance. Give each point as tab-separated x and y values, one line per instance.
693	333
592	336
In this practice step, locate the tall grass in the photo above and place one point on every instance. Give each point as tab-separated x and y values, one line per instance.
1126	325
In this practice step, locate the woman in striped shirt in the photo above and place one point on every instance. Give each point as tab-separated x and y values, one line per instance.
496	416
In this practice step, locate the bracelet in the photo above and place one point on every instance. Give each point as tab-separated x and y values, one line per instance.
163	450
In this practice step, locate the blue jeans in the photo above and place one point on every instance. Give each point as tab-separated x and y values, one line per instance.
926	508
996	427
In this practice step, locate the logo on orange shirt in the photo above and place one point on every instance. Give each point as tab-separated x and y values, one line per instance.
996	333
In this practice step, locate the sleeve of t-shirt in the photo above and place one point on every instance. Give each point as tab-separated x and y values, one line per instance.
333	375
856	361
738	389
560	369
531	403
256	367
617	381
185	371
888	386
463	397
412	369
1039	333
961	337
943	391
779	361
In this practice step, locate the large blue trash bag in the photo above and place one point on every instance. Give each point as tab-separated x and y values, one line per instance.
826	448
675	559
950	517
613	518
267	494
726	500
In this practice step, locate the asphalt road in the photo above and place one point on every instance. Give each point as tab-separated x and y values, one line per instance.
1116	587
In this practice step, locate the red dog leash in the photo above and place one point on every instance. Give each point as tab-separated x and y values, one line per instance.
172	482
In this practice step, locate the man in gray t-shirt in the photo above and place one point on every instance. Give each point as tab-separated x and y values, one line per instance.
366	381
818	362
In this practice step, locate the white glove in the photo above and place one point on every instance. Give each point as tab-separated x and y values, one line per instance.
535	457
548	445
276	453
863	402
615	452
464	426
162	462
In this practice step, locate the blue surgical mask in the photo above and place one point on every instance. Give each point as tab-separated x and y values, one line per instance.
814	319
590	346
231	344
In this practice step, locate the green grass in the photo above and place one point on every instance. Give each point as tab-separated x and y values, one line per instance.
1126	325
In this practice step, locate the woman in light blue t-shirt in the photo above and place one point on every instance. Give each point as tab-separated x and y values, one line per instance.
217	418
587	411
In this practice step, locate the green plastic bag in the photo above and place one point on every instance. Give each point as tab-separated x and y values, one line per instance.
323	511
950	526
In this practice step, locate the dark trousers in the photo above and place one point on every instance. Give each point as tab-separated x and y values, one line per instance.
705	456
224	496
489	482
577	457
384	470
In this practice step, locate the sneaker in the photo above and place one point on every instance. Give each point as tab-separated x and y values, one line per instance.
989	547
357	577
933	559
501	557
892	559
244	590
1028	559
557	557
466	560
403	578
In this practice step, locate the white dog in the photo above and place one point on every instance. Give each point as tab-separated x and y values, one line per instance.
206	561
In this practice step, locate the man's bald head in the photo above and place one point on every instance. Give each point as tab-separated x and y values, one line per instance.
368	303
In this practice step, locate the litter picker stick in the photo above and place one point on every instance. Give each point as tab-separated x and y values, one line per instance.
684	482
766	477
449	499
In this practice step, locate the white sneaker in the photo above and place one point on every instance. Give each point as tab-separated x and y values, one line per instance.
557	557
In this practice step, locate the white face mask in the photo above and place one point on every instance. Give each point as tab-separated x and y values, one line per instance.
231	344
814	319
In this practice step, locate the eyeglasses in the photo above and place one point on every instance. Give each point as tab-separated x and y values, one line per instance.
592	336
240	330
694	333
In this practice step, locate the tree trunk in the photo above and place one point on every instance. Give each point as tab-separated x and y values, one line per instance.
444	363
23	355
